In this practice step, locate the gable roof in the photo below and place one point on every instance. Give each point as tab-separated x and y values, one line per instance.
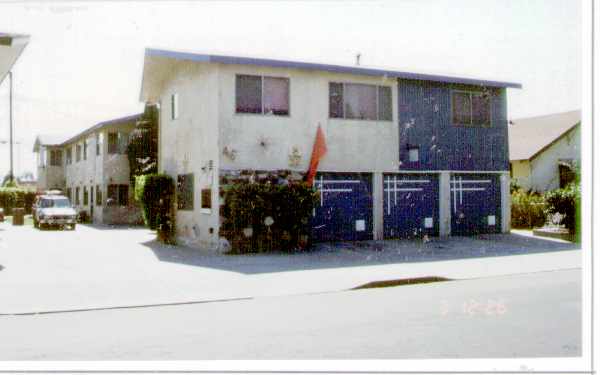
358	70
48	140
63	140
529	136
118	121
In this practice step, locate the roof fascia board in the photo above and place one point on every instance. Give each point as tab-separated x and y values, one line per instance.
324	67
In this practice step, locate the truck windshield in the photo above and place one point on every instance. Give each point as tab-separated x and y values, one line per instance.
61	202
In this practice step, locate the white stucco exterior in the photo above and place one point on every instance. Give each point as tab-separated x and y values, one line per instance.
93	172
207	136
541	172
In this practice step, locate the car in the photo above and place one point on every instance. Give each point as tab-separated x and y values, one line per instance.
53	210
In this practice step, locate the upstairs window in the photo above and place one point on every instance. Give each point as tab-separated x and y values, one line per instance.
56	157
360	101
174	106
85	147
69	156
78	152
262	95
117	143
98	143
470	109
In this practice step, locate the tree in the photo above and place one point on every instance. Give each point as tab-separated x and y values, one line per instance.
142	150
9	181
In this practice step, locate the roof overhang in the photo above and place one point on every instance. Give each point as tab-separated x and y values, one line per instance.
155	59
11	47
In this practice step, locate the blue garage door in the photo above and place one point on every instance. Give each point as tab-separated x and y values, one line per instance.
410	205
344	210
475	202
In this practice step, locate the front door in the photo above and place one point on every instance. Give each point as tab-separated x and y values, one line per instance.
92	203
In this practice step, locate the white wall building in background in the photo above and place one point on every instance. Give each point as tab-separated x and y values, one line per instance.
545	150
92	169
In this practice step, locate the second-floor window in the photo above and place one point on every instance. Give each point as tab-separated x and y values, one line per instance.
69	155
85	147
471	109
98	143
174	106
262	95
78	152
117	143
56	157
360	101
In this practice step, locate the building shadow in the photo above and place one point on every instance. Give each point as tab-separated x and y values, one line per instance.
362	253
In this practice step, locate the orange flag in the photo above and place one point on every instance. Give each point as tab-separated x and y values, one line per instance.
319	150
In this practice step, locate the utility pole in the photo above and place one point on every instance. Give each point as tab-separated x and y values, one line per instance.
10	110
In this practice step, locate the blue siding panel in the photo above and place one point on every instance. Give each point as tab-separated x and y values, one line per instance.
474	198
345	202
410	205
425	121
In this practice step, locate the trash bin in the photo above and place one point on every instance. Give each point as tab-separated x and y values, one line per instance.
18	216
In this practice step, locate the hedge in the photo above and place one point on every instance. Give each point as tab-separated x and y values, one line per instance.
156	193
11	197
528	209
260	217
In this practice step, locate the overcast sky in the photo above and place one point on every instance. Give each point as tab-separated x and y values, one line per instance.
84	61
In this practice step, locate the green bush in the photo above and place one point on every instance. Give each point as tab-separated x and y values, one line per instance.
565	202
528	209
11	197
156	192
263	216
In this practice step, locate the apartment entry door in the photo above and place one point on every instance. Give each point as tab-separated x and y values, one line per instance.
92	204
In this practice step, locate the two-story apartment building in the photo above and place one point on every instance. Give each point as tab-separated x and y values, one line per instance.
92	169
407	154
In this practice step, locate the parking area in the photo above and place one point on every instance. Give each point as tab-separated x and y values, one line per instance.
102	266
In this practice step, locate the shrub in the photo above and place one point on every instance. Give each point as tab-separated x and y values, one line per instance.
565	202
262	217
11	197
528	209
156	192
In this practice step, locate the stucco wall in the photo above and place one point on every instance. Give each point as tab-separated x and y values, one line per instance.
188	143
353	145
544	167
521	173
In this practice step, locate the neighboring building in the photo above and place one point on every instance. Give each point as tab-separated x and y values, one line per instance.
11	47
545	150
92	169
407	153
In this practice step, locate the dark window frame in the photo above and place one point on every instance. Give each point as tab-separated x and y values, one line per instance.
119	193
262	96
471	93
380	113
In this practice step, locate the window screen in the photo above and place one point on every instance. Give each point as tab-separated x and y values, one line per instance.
248	94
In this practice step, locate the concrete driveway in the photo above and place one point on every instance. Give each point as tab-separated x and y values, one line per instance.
111	267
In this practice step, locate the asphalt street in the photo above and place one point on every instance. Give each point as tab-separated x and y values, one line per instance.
527	315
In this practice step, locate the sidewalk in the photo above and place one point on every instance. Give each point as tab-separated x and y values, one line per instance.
143	272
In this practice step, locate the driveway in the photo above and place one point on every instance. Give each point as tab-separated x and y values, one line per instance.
108	267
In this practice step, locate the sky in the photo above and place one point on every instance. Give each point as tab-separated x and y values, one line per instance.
84	62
